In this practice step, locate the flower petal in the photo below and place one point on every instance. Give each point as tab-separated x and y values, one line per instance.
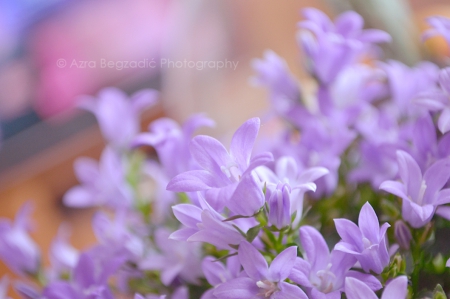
396	289
356	289
252	261
243	141
281	266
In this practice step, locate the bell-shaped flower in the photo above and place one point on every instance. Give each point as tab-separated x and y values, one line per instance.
439	26
89	278
421	195
336	45
102	183
117	115
170	140
395	289
367	243
174	259
223	172
17	250
63	256
273	73
323	273
217	273
262	280
204	224
286	187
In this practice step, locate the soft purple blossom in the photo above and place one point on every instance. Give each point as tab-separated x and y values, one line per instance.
89	278
319	272
226	176
63	256
102	183
175	259
395	289
402	234
118	115
273	72
440	26
332	47
217	273
170	140
204	224
285	189
367	243
17	250
438	100
263	280
421	194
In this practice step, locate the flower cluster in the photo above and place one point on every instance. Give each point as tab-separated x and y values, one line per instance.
304	214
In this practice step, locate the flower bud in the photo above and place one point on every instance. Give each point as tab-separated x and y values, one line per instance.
402	234
279	206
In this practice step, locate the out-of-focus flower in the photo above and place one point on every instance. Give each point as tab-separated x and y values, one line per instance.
17	249
118	115
63	256
273	73
367	243
421	195
262	280
395	289
170	140
217	273
89	278
440	26
102	183
176	259
335	46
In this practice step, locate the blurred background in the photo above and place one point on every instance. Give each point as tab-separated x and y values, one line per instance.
52	51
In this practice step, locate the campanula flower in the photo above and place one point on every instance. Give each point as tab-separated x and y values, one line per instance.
395	289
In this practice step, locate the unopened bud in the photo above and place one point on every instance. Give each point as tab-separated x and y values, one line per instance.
402	234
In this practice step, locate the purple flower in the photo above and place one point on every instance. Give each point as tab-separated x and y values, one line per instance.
63	256
421	194
321	273
170	140
440	26
335	46
273	72
102	183
286	187
395	289
367	243
262	280
217	273
402	234
176	259
89	278
205	225
17	250
226	177
118	116
438	100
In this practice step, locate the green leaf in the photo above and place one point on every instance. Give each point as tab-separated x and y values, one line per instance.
252	233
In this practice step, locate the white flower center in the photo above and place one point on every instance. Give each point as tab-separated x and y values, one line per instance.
232	172
325	280
267	288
